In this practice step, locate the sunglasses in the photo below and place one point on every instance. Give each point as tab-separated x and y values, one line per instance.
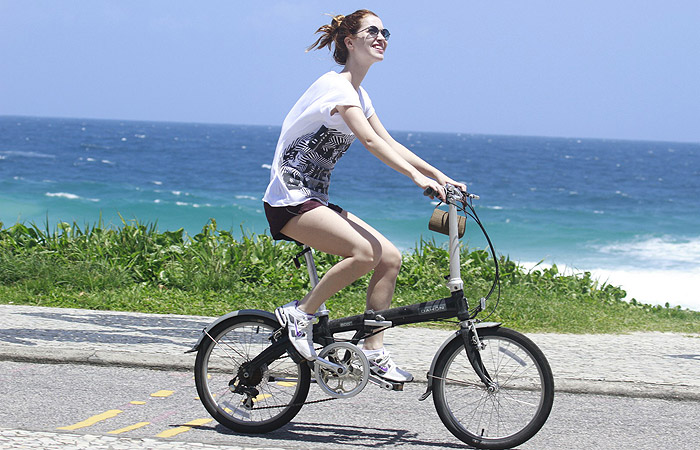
373	31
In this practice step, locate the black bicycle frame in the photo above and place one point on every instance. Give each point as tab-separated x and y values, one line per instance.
371	322
445	308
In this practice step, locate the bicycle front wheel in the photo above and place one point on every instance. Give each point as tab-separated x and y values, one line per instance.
499	418
277	390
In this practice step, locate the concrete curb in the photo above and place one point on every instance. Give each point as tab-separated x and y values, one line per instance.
641	364
185	363
628	389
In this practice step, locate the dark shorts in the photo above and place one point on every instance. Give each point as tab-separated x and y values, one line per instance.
278	216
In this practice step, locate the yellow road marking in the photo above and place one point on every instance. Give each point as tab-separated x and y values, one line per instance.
92	420
137	402
197	422
162	393
286	383
177	430
261	397
129	428
172	432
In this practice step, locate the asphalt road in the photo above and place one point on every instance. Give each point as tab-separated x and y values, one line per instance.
163	406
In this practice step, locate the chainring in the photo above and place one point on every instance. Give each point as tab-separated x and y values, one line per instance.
355	377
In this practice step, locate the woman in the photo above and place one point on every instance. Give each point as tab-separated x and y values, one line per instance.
315	134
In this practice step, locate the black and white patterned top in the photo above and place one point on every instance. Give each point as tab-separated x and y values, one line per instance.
312	141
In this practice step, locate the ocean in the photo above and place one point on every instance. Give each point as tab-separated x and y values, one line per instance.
627	211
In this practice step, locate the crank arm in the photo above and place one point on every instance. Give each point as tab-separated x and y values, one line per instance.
384	384
335	368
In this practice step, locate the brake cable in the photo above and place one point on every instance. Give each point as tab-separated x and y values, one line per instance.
496	281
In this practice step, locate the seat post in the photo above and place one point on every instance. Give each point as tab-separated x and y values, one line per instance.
313	275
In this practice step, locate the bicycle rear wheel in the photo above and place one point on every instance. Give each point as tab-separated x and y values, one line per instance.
506	416
277	390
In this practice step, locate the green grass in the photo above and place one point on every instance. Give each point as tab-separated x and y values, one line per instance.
135	267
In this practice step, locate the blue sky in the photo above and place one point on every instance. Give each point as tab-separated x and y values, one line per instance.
622	69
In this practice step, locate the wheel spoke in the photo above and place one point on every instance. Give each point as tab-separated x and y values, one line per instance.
509	413
271	395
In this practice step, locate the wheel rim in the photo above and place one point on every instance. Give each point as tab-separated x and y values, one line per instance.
502	412
277	384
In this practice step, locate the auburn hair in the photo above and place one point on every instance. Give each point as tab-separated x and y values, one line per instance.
336	32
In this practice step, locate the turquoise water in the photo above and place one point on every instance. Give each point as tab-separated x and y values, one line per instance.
626	210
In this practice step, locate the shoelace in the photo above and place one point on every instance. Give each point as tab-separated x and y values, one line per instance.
300	326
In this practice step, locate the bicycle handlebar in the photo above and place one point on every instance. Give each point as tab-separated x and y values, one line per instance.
453	192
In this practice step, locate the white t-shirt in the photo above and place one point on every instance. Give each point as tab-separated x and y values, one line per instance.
312	141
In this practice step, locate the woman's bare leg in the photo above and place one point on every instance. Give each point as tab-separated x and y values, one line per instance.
383	282
327	231
363	249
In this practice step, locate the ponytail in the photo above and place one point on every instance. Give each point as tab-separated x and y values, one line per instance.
336	32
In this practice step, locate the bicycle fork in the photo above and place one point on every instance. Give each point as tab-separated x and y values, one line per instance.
469	338
473	347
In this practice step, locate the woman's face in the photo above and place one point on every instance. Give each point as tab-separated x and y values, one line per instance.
368	44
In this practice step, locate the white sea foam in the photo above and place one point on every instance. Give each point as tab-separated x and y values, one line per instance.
267	166
67	195
27	154
659	252
652	286
157	183
247	197
656	286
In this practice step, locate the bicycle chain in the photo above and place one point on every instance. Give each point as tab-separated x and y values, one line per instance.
296	404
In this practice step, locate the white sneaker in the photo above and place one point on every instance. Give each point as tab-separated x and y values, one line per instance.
381	364
300	328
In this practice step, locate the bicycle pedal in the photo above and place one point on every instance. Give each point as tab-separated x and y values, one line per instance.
386	384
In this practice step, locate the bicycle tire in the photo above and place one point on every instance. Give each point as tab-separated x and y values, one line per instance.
511	414
283	385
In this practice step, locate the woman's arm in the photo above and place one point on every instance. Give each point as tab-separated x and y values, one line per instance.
361	128
413	159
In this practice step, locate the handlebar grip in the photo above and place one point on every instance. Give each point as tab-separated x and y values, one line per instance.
430	192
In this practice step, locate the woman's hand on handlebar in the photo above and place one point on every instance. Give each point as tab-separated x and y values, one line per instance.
428	183
444	179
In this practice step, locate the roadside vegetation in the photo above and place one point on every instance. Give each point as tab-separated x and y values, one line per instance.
134	267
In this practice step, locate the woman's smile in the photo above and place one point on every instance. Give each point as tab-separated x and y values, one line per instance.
379	46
